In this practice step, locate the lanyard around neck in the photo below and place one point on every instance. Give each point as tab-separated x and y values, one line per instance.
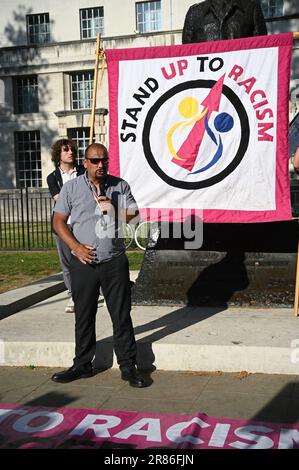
95	195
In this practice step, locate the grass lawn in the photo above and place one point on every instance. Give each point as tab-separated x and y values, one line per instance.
18	268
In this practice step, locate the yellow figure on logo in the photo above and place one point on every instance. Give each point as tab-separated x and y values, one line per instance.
188	108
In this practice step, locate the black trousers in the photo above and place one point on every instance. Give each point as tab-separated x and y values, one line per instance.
114	280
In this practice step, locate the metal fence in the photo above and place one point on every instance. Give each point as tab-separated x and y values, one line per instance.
25	219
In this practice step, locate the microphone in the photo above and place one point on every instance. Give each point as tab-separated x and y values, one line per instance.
102	189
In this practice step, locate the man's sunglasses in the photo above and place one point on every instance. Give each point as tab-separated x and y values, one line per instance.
96	161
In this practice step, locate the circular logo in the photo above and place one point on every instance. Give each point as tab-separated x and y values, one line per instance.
185	156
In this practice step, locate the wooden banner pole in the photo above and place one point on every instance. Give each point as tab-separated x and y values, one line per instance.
95	86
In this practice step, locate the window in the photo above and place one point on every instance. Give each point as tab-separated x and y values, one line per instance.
91	22
26	95
38	28
272	8
82	86
80	135
148	16
28	159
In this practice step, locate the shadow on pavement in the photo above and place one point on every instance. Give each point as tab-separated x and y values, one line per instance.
56	399
167	325
282	408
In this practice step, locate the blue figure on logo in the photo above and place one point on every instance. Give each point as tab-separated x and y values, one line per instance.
224	122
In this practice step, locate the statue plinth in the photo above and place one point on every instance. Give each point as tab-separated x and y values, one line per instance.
238	264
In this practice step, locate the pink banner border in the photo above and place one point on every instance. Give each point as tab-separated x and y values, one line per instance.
283	208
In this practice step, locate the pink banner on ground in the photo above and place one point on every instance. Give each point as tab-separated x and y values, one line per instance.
24	427
203	128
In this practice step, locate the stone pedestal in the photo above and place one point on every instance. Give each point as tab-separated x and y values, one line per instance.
238	264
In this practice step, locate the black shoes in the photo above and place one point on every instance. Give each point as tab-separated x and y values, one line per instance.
71	374
132	375
129	373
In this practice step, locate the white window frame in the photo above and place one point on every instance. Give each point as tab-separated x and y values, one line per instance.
81	90
148	16
272	8
38	28
26	94
28	159
91	22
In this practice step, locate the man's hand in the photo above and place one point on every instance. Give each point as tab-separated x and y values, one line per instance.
126	215
106	206
85	253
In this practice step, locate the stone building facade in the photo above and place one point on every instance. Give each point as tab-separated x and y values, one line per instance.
47	56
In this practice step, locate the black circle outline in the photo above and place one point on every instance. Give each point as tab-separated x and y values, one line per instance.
245	133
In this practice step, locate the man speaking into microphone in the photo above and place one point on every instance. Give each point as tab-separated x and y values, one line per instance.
98	203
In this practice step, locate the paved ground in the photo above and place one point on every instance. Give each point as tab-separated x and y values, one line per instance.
272	398
186	348
170	338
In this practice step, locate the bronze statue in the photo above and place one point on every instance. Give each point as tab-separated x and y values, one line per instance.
215	20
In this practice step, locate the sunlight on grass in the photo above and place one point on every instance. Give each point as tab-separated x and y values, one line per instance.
19	268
